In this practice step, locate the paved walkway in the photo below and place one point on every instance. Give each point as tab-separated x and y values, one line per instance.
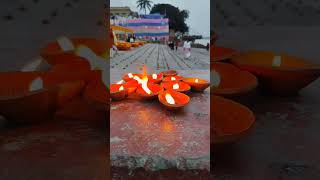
160	57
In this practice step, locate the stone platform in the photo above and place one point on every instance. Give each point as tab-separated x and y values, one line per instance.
143	134
160	57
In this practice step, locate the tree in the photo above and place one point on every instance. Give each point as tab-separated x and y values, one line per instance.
176	16
144	5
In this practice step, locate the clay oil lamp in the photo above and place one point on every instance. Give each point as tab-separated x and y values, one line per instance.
97	95
70	66
130	86
155	78
278	74
172	78
147	90
69	45
197	84
176	86
173	100
130	76
229	81
135	44
169	73
124	46
221	53
117	92
231	121
29	104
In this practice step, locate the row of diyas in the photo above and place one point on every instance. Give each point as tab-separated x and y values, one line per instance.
167	86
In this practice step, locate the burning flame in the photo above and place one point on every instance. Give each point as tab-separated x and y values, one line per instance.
130	75
197	80
173	79
65	44
144	85
36	84
169	99
154	76
137	79
121	88
120	82
176	86
144	70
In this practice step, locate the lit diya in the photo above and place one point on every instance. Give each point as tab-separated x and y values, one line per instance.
169	73
68	45
155	78
130	86
27	106
229	81
117	92
173	100
221	53
172	78
97	95
148	90
197	84
279	74
230	122
176	86
130	76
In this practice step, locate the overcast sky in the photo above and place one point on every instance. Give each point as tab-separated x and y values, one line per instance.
199	17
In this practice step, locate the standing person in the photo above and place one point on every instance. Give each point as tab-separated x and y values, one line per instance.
187	49
208	46
177	44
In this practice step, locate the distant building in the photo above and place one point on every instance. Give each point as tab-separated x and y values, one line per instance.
120	11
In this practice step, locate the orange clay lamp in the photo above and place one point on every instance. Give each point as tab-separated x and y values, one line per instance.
27	106
176	86
172	78
68	46
197	84
231	121
117	92
145	89
155	78
170	73
173	100
221	53
278	74
229	81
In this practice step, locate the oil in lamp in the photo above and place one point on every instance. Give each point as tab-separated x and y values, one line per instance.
176	85
131	86
155	78
197	84
130	76
117	92
173	100
148	90
172	78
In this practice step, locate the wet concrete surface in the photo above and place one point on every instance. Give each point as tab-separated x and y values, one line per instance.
284	143
70	146
143	134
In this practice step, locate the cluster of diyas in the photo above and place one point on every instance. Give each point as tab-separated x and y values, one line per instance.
75	70
168	86
235	75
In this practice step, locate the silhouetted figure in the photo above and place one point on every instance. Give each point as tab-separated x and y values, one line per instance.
177	44
208	46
